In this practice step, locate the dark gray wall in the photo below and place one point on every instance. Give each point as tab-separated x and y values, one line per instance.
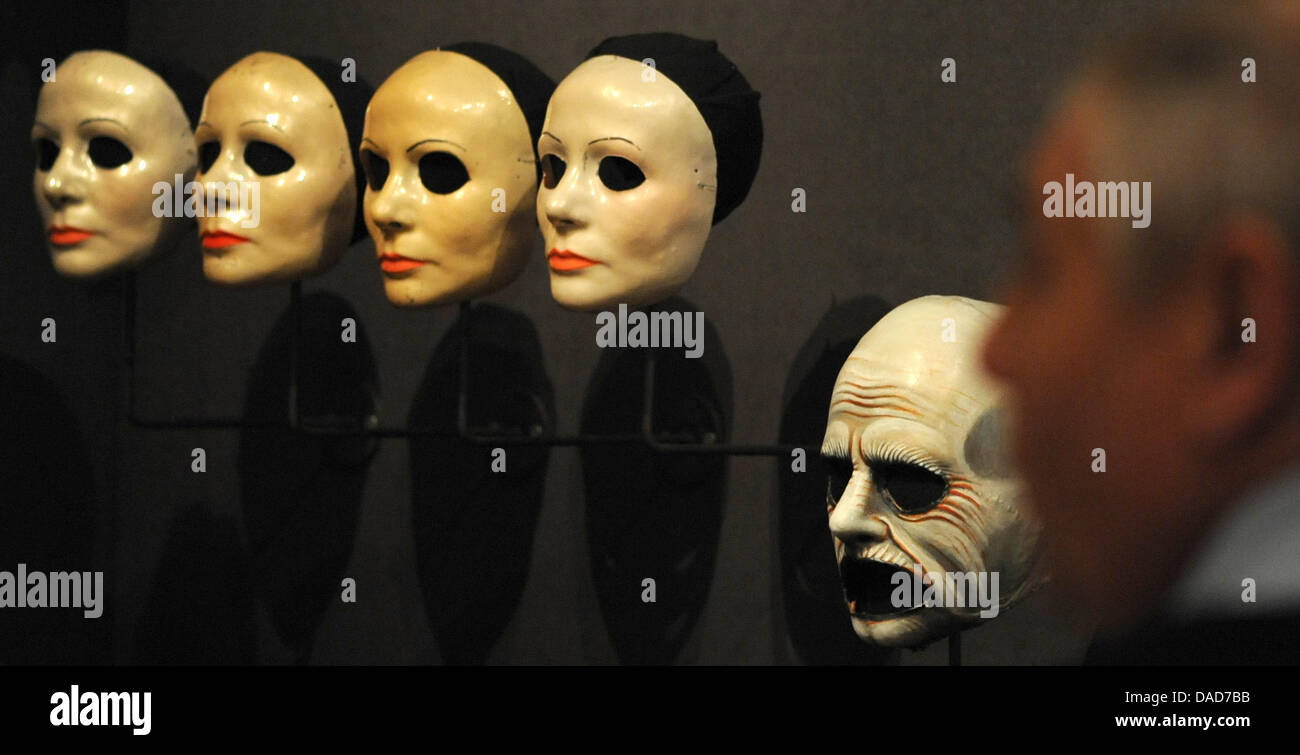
907	183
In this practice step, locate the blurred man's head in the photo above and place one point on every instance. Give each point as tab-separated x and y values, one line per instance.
1174	349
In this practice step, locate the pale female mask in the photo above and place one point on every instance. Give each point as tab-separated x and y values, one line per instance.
108	130
451	179
637	167
273	146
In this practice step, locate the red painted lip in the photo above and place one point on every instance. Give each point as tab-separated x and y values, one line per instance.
66	235
395	263
563	260
221	239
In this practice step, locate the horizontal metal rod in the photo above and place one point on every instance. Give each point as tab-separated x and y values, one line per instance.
188	423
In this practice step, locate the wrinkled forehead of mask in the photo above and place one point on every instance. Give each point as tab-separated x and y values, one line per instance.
925	357
720	92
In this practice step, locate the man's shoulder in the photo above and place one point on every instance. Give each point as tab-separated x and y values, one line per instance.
1237	600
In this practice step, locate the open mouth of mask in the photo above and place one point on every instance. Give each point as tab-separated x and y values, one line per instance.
869	586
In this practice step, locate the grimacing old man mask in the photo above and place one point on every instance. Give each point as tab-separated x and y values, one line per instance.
920	479
269	120
107	130
646	145
451	173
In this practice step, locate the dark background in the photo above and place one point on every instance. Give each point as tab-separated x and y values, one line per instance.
908	183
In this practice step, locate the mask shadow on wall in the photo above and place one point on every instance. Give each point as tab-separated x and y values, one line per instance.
651	515
473	523
816	620
301	492
202	610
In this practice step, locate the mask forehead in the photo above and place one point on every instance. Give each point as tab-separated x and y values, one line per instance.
446	95
94	85
919	365
280	92
617	97
872	389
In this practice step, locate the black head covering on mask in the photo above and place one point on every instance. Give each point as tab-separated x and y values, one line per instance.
721	94
528	85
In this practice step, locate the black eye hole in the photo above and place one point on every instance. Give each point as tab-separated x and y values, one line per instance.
208	154
107	152
266	159
552	171
839	471
619	173
46	153
913	489
442	173
376	169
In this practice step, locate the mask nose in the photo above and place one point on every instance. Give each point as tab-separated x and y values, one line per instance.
221	169
65	183
855	521
565	206
390	208
219	185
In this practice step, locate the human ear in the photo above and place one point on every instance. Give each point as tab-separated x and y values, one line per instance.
1241	295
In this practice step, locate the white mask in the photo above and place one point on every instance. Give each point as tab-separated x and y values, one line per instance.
919	425
451	181
268	119
107	130
628	187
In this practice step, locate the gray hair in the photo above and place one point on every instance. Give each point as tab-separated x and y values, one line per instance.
1177	113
